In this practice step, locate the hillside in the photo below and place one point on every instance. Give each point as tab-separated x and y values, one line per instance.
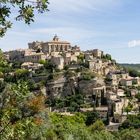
61	93
131	66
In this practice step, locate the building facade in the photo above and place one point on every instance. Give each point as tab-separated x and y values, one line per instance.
52	46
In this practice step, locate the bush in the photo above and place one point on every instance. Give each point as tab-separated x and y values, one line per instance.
87	76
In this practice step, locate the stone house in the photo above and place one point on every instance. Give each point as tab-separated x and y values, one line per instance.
54	54
120	105
26	55
106	70
112	76
119	74
32	66
60	87
113	79
99	96
111	95
68	58
55	88
74	58
133	92
103	111
120	93
67	54
34	57
97	53
126	82
75	50
95	65
16	55
76	53
58	61
124	75
136	80
88	56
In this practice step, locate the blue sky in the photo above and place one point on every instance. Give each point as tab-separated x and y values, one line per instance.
110	25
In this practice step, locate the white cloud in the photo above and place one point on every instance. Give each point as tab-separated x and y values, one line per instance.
72	33
134	43
82	6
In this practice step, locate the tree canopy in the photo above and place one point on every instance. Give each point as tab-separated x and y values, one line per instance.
25	11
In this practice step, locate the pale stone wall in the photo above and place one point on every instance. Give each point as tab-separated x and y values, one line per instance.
119	106
88	56
126	82
16	55
58	61
73	58
35	58
76	53
52	46
97	53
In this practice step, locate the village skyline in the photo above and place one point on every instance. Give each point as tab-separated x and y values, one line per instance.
109	25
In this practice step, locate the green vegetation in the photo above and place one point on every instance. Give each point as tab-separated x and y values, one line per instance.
107	57
24	116
138	96
72	103
87	75
133	69
73	127
81	57
128	108
132	121
131	66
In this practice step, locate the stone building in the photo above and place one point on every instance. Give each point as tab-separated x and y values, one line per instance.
95	65
26	55
32	66
99	96
120	93
88	56
16	55
126	82
55	88
60	87
52	46
34	57
106	70
97	53
58	61
119	105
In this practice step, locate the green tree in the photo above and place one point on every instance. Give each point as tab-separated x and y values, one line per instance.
129	134
97	126
81	57
134	73
26	11
103	135
91	117
22	114
3	63
128	108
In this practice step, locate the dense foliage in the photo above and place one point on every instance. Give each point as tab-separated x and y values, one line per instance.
24	115
74	128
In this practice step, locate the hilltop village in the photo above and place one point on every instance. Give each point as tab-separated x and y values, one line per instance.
79	81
